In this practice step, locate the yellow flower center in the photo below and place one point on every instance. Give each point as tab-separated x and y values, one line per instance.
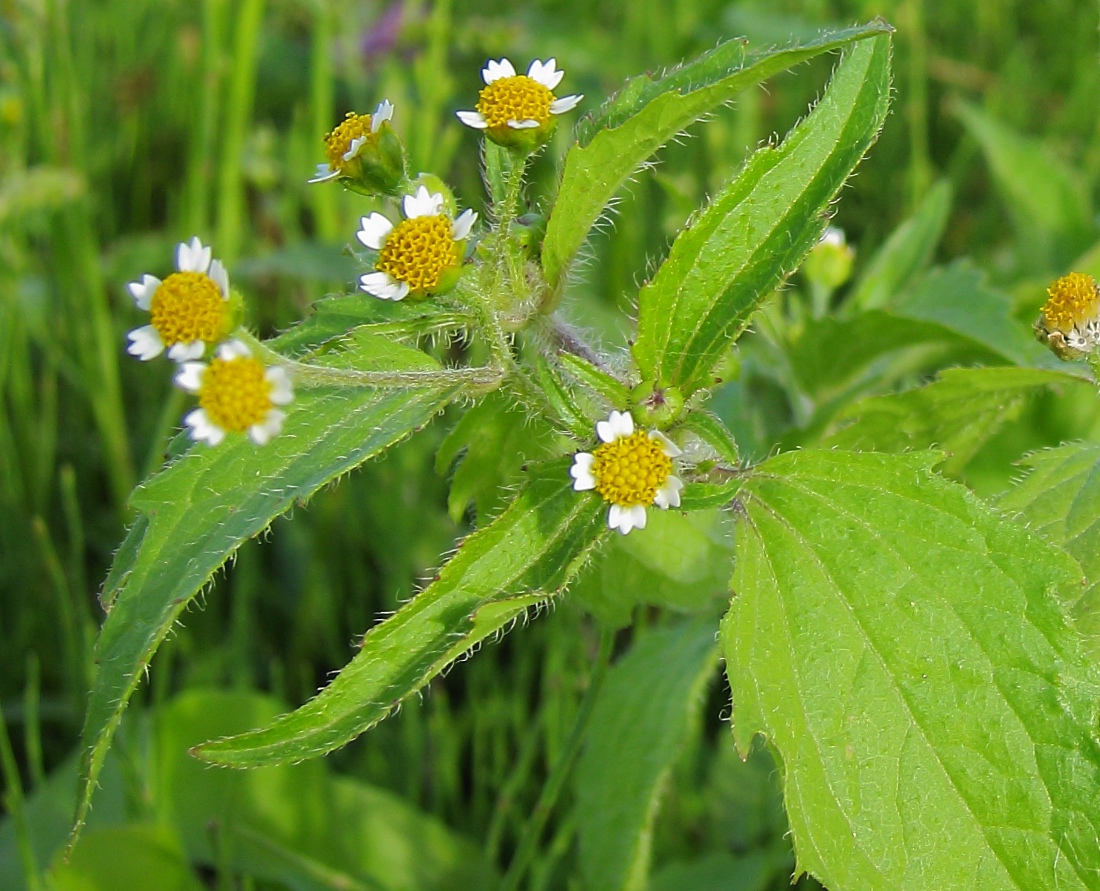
339	140
631	469
235	393
418	252
188	306
1074	300
516	98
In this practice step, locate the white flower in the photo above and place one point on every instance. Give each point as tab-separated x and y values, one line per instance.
630	470
237	394
347	140
518	101
189	309
420	253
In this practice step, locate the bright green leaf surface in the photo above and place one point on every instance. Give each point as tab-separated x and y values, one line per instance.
642	716
203	506
1060	500
903	258
127	858
643	117
959	412
525	556
902	648
757	230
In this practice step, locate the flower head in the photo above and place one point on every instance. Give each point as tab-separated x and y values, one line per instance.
363	152
630	469
515	109
188	310
1069	321
237	394
420	255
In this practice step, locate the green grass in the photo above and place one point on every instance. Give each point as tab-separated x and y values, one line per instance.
126	127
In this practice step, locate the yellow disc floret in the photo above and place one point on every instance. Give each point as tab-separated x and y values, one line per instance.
1074	300
236	393
339	140
188	306
516	98
631	469
418	252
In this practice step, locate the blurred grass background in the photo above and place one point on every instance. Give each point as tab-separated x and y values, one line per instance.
129	125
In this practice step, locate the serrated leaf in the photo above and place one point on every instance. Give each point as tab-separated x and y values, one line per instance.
524	557
903	258
901	646
758	229
647	114
959	412
642	716
1060	500
203	506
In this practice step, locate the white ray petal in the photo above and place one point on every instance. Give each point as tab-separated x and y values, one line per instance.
143	291
220	277
544	73
233	349
565	103
193	256
184	352
354	146
461	227
581	471
202	428
618	424
271	426
145	343
373	231
383	286
282	391
669	494
383	113
422	204
529	124
667	445
190	376
473	119
324	174
496	70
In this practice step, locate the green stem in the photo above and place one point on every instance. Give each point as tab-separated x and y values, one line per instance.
536	823
17	806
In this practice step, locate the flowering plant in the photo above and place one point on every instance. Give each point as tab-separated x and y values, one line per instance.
884	618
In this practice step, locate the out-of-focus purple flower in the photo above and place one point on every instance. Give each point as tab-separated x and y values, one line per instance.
380	40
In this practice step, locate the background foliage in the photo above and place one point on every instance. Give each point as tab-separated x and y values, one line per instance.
125	127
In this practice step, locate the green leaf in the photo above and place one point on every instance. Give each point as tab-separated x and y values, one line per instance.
719	872
679	562
643	714
757	230
526	556
1048	200
900	645
647	114
125	858
1060	500
334	317
961	411
903	258
200	509
301	821
596	380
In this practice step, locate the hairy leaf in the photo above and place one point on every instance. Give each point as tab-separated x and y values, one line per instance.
524	557
757	230
902	648
961	411
198	511
643	714
644	116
